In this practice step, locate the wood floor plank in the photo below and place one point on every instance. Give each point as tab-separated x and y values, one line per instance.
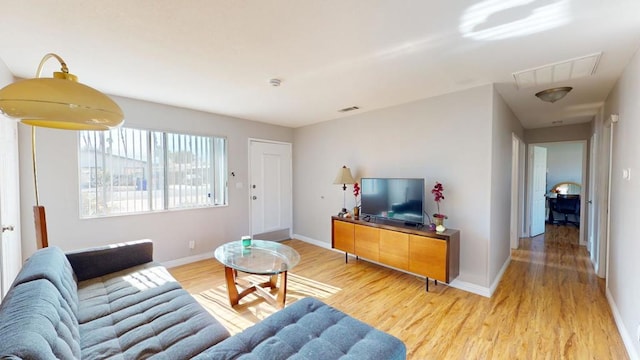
549	304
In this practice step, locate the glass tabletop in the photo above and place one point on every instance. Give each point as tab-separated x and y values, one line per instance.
261	257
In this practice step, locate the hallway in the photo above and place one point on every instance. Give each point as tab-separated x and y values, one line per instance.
563	298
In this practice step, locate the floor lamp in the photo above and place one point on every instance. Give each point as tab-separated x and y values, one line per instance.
60	102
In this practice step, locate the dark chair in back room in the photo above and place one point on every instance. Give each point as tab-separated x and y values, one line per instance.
568	206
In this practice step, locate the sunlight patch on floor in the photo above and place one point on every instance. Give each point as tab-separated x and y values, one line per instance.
253	308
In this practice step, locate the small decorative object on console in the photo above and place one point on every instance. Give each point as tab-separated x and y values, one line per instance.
438	218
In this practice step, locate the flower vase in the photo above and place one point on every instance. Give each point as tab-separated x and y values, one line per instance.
439	223
356	213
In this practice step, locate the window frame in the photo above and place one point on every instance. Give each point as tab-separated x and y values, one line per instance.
219	164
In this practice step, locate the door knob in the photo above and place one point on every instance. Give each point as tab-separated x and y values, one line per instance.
254	197
7	228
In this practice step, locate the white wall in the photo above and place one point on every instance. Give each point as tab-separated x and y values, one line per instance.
445	138
171	231
5	75
505	123
558	133
564	162
624	247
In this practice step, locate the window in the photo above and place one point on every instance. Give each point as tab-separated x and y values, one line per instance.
126	171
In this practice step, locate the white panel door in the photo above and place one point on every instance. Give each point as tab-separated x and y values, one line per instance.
10	248
539	190
270	186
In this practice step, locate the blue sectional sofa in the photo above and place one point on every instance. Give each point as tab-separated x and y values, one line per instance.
116	302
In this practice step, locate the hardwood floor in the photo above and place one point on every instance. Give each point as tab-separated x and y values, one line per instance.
549	304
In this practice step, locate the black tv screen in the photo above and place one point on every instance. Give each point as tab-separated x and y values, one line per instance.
394	199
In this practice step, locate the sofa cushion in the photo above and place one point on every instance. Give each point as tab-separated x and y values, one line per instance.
36	322
102	260
309	329
142	311
51	264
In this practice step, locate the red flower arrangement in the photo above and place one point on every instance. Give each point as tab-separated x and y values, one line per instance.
437	194
356	192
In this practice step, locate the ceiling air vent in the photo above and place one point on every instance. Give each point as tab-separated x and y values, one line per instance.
557	72
349	109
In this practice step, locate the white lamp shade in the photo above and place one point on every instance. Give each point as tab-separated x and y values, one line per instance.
59	103
344	176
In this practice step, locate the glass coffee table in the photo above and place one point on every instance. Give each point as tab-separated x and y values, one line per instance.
261	257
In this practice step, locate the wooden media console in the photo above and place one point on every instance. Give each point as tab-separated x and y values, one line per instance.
418	251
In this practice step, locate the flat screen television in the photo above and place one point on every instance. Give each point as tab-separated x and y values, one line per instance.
393	199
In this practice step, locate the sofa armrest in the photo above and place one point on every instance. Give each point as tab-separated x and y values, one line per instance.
98	261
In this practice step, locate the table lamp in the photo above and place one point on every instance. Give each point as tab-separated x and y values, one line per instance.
344	177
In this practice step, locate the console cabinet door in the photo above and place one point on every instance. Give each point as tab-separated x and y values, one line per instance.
394	249
367	241
343	236
428	257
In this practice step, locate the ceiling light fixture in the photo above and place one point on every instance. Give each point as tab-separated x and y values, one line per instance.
60	102
554	94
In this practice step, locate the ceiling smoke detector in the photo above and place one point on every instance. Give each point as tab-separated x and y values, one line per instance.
275	82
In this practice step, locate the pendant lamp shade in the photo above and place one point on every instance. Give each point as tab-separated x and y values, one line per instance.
59	102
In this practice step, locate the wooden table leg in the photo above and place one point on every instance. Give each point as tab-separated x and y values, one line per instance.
232	280
282	291
230	275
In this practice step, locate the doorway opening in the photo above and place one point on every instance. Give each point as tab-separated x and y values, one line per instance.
557	186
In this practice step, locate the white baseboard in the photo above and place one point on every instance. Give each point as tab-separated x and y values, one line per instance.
627	337
470	287
187	260
482	290
315	242
190	259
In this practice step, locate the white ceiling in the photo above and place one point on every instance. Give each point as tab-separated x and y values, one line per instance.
218	56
